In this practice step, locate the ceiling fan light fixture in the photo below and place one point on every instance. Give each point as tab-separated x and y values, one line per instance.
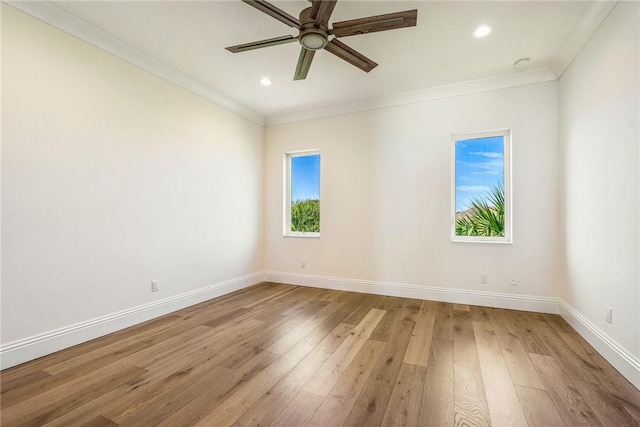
313	40
482	31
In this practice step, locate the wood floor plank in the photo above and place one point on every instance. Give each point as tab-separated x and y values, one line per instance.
131	398
210	391
609	410
461	307
299	411
285	343
615	385
238	403
438	398
403	408
443	325
50	405
335	409
502	399
420	343
564	355
571	405
330	371
99	421
162	398
479	314
271	404
295	302
394	308
209	364
558	323
325	327
18	388
365	306
538	407
188	344
531	342
278	291
520	366
371	405
470	402
247	344
227	317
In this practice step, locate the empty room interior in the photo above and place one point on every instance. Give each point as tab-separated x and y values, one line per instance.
304	213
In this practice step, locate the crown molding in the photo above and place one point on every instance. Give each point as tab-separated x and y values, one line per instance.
437	92
71	24
591	20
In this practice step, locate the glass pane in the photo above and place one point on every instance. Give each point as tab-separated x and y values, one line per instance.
305	193
480	187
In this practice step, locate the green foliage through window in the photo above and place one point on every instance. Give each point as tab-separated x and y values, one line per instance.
305	216
484	216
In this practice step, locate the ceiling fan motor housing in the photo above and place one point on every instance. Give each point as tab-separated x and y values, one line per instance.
313	36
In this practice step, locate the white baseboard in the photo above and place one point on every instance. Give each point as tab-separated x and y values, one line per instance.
621	359
30	348
626	363
458	296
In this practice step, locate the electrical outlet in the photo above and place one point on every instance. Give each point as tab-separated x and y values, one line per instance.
513	280
484	278
155	285
303	264
609	315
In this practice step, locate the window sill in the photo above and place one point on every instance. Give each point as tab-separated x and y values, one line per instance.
303	235
482	241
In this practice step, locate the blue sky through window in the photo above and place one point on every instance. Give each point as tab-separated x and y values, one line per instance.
305	177
479	167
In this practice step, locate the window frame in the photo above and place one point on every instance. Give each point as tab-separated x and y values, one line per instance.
286	229
508	197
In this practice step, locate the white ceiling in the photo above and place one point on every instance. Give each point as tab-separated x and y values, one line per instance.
186	40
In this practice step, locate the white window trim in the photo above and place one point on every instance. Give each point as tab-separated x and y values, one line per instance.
508	215
286	191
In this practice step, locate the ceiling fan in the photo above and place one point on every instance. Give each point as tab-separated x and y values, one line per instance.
314	32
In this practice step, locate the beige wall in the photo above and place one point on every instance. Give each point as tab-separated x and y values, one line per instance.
599	113
386	194
112	177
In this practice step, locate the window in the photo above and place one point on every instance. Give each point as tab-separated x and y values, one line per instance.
481	187
302	194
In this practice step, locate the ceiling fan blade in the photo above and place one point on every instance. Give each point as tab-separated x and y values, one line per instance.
274	12
321	11
261	43
350	55
304	63
371	24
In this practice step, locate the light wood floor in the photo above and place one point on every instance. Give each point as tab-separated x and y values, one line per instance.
291	356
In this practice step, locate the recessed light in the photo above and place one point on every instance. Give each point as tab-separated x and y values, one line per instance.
265	81
482	31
